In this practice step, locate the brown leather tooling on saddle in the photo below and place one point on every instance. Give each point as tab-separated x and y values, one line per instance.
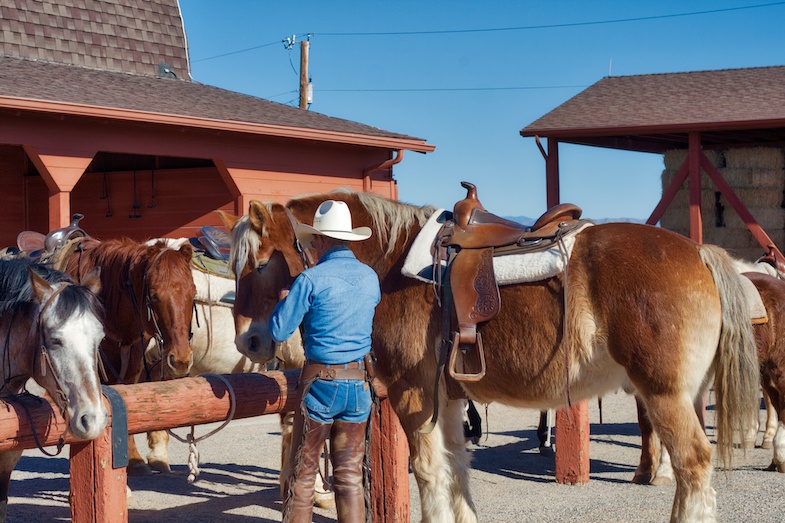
468	244
469	292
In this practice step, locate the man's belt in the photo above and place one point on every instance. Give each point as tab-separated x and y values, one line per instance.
350	371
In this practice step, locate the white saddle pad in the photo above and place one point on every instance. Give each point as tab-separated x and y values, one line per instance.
513	268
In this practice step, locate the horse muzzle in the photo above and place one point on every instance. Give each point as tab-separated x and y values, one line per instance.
256	347
88	423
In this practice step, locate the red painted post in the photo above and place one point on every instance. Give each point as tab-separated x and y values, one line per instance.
572	445
390	501
98	491
693	157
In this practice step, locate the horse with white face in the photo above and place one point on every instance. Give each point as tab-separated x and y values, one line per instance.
51	329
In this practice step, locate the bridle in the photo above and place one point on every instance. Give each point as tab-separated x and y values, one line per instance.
305	255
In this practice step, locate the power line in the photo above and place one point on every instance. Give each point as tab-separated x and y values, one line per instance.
278	42
436	89
553	26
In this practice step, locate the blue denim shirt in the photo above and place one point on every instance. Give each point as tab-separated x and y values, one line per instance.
335	301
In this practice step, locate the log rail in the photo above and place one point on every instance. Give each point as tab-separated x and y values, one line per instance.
98	491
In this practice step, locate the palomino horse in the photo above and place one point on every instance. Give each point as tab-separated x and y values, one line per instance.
51	330
655	463
147	292
643	308
290	353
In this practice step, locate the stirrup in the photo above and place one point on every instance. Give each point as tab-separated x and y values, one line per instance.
461	376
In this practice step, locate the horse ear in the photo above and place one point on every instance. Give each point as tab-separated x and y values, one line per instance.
41	287
229	219
258	215
93	280
187	251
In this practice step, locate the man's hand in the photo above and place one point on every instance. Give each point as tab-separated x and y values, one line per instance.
283	294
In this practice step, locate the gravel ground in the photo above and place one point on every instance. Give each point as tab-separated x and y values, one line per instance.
510	480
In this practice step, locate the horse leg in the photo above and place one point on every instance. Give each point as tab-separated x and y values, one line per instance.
438	459
650	448
681	434
136	463
771	422
158	457
8	461
778	441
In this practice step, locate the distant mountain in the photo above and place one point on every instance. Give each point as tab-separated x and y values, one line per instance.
525	220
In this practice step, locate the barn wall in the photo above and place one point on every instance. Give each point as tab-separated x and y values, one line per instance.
13	212
757	177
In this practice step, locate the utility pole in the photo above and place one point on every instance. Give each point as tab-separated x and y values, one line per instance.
306	92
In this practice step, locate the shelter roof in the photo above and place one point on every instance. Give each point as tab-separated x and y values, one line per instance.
655	112
69	89
130	36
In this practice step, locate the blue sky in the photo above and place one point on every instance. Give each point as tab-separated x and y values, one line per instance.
467	76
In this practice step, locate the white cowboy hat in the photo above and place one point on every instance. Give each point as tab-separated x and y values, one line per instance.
332	219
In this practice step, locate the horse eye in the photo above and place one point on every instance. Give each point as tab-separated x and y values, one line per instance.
154	297
56	343
260	268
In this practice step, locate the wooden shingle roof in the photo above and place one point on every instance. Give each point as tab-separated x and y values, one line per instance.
655	112
131	36
68	89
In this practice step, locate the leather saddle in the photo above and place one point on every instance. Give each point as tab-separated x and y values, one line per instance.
468	244
52	248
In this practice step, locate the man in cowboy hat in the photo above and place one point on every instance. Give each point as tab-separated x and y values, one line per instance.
335	302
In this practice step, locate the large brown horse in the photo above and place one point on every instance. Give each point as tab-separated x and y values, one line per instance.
148	292
644	308
655	463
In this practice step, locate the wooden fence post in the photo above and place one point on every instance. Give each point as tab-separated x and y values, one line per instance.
390	501
98	491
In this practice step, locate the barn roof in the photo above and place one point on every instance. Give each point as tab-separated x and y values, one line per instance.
655	112
100	58
130	36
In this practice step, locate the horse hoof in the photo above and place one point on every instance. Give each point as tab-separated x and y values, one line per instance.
159	466
766	444
660	481
546	451
780	467
139	468
324	500
641	479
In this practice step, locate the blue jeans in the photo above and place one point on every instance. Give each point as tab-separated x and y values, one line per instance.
339	400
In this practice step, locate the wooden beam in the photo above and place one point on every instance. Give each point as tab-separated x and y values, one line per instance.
553	197
693	159
669	194
572	444
754	227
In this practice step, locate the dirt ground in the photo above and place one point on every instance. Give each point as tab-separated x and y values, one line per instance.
510	480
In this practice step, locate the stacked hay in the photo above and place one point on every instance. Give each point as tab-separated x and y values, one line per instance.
755	175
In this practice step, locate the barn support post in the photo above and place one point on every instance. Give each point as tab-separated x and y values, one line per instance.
572	423
61	170
693	159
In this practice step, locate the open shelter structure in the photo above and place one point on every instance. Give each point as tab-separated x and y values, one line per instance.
725	126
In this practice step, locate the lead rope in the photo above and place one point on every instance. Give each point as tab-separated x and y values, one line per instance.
191	440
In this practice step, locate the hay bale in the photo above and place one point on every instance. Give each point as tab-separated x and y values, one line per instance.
755	158
675	157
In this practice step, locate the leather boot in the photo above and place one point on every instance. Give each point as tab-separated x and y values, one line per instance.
348	454
298	507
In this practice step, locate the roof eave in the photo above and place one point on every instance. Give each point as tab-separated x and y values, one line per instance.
280	131
654	129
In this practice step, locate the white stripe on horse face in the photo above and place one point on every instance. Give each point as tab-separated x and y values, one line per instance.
73	354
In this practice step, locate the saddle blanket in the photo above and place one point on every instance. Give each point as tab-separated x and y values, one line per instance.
509	269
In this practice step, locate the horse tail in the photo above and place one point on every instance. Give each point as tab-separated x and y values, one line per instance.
736	379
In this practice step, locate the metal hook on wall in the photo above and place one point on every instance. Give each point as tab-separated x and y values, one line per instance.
136	205
152	188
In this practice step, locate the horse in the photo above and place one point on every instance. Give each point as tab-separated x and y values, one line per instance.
638	307
147	292
655	464
51	329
